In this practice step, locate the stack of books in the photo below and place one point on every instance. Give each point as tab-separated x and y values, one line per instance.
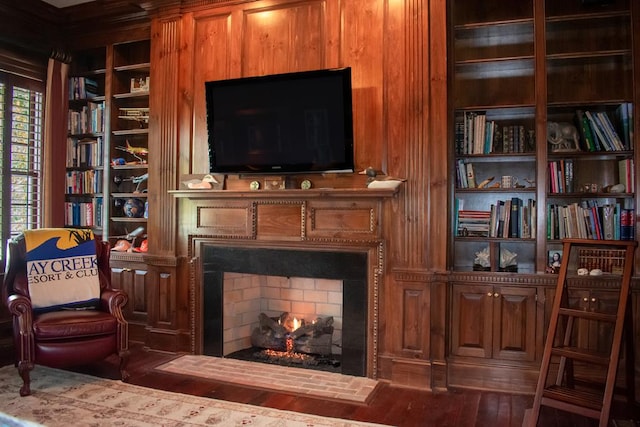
473	223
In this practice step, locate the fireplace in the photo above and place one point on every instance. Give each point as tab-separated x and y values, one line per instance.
346	272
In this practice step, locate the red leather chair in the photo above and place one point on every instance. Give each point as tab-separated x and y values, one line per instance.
63	338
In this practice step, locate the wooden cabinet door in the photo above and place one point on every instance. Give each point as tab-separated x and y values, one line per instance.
471	320
514	323
133	280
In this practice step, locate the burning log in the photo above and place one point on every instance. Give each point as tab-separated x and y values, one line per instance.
315	329
311	338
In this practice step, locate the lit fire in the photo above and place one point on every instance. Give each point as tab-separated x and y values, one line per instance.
296	324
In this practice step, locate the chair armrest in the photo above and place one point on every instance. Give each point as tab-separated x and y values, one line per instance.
20	307
113	301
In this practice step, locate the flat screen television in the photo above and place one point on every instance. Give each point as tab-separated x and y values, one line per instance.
282	123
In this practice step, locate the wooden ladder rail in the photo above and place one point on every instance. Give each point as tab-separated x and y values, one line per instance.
569	399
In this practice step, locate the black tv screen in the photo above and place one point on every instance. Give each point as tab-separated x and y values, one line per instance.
281	123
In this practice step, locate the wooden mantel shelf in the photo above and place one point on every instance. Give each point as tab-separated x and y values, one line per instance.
314	193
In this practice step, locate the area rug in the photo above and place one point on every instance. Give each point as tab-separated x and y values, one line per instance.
294	380
62	398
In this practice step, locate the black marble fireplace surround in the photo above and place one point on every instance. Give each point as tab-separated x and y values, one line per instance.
350	267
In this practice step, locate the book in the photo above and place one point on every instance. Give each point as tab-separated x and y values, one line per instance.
627	224
622	113
598	137
586	139
608	222
609	131
471	176
514	220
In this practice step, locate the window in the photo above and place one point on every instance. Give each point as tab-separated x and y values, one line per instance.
21	134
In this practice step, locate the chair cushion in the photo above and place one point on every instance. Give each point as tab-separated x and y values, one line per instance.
60	325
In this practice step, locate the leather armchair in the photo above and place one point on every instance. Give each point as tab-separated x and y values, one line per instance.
64	338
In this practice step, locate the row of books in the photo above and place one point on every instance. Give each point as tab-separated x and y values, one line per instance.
510	218
600	132
84	182
588	220
627	175
561	176
465	175
84	214
84	152
82	88
89	119
474	134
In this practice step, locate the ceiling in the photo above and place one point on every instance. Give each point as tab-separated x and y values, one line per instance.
65	3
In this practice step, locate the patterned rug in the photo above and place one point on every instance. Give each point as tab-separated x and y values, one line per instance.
62	398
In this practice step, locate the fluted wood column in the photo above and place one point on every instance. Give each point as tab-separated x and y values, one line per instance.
163	135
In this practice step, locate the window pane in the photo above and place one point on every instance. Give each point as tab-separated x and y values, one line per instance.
25	162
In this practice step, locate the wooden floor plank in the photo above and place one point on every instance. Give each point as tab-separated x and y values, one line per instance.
391	405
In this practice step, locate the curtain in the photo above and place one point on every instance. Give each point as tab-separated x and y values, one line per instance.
55	137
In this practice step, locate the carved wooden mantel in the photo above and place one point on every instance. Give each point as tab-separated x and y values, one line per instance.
343	219
342	214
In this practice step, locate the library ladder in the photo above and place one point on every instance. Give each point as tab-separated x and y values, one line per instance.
562	392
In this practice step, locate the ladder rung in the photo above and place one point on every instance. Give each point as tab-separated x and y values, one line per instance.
582	402
589	315
581	354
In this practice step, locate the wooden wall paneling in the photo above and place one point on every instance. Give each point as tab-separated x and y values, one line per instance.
18	21
163	135
279	220
362	42
133	278
406	104
438	330
208	54
437	231
393	149
169	305
415	316
285	37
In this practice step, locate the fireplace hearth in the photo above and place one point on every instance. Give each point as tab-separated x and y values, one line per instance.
349	267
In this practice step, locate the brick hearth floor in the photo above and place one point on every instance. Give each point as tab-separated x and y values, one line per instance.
327	385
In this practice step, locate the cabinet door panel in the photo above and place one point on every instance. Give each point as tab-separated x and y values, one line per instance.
471	320
132	281
514	323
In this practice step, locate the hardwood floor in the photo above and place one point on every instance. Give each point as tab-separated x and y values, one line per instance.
391	405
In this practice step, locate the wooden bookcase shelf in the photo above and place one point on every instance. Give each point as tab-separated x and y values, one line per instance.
526	65
121	73
529	64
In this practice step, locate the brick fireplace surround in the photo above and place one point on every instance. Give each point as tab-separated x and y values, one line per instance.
349	267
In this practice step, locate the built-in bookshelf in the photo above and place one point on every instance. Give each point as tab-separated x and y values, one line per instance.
494	144
129	168
590	188
541	119
107	144
84	189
